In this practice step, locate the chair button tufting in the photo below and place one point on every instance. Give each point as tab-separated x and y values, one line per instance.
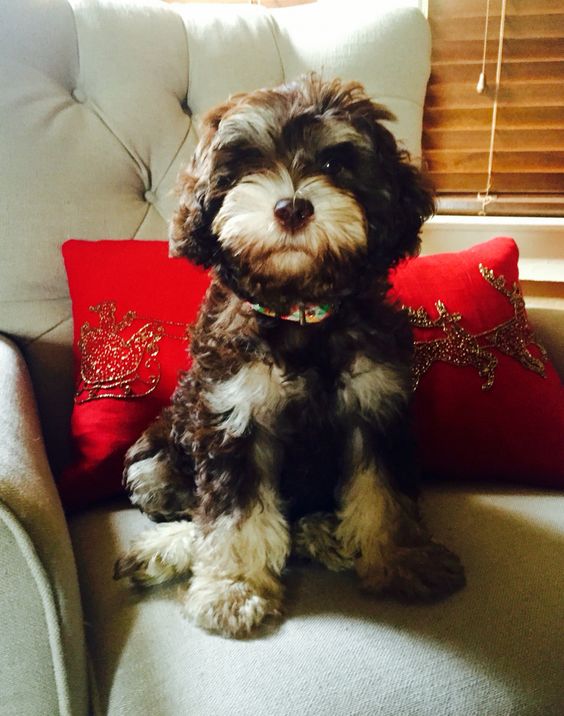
79	95
150	196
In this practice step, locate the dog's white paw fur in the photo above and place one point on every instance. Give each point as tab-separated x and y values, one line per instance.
159	554
232	608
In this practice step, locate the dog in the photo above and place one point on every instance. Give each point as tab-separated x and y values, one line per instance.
291	429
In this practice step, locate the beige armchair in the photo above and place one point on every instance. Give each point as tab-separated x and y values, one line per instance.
99	101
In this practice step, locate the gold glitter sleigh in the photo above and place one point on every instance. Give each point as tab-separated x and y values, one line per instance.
113	366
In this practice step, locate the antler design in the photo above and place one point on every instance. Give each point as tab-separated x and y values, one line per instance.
461	348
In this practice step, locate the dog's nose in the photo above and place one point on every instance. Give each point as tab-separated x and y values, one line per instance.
293	213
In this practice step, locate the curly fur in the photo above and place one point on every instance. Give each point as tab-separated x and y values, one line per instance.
276	421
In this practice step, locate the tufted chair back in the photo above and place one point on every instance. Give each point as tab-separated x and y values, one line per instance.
99	107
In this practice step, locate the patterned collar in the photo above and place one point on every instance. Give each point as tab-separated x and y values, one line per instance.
301	313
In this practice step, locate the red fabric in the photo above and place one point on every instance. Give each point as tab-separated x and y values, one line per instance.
127	368
513	431
136	364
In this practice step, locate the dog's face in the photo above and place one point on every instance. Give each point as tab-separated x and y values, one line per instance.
299	193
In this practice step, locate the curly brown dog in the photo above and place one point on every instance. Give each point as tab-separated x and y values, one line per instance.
292	424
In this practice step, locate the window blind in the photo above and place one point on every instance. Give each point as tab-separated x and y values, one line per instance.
525	149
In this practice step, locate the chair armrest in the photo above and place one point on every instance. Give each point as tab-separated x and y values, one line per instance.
42	652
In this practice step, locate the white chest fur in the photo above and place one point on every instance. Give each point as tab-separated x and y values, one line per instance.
257	392
260	392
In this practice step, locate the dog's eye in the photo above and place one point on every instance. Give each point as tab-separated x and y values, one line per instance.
336	159
223	181
332	166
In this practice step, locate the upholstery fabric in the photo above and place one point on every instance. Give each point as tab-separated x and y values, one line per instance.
32	667
42	667
549	328
495	648
99	109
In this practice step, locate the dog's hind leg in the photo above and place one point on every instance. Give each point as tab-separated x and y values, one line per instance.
160	481
159	475
395	553
158	554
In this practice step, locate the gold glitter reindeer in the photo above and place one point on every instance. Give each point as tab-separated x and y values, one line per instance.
461	348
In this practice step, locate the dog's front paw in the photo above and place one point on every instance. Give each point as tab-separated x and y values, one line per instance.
232	608
315	537
425	572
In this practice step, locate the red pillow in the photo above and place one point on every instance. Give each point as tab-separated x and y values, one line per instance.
132	306
487	405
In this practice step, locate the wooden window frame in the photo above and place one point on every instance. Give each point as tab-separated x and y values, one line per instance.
540	238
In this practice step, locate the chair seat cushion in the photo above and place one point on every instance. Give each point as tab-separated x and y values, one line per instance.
494	648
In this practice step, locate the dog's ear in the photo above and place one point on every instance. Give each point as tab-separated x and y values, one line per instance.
412	203
190	233
398	196
408	193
